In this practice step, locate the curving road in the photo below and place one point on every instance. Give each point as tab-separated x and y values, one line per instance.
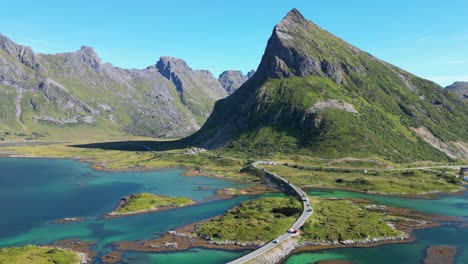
307	211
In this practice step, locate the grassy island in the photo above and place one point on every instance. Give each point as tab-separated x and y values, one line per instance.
145	202
339	220
264	219
38	255
259	220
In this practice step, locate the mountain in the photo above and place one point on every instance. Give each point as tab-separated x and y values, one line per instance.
460	88
44	94
232	80
316	94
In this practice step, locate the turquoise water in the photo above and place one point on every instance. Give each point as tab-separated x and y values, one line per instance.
400	253
395	253
195	255
35	192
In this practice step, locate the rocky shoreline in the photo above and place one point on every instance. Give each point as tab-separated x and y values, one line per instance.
80	247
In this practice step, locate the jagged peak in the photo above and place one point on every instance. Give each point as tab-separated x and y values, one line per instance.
90	52
167	63
24	54
6	43
297	48
3	40
231	72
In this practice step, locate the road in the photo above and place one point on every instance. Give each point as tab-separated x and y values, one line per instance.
299	222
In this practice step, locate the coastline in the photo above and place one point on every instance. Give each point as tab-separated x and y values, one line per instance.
79	247
183	238
191	172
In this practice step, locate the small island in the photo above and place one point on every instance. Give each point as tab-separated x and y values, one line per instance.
148	202
36	254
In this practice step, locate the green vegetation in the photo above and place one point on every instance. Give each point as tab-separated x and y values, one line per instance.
272	114
339	220
38	255
259	220
264	219
332	133
147	201
374	181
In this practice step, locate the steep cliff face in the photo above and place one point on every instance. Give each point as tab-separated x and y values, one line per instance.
314	93
46	93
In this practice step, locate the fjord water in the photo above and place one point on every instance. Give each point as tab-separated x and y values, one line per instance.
34	192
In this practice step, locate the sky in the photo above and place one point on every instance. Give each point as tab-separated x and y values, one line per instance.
428	38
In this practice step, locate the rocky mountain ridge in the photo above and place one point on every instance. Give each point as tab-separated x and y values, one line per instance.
45	93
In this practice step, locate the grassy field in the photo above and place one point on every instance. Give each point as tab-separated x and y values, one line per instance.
259	220
338	220
148	201
378	182
37	255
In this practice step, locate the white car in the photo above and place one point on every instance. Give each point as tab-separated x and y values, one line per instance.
276	241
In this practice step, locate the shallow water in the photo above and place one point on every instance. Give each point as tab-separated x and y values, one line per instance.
400	253
34	192
196	255
396	253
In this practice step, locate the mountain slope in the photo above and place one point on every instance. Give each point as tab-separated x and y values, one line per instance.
313	93
460	88
49	94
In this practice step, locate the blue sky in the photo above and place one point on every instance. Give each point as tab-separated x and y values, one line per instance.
428	38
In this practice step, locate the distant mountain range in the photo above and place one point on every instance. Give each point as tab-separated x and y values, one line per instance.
316	94
232	80
460	88
41	94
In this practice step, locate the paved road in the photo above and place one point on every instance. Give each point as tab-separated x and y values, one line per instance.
299	222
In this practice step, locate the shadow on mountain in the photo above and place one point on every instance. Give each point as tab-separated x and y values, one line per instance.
134	145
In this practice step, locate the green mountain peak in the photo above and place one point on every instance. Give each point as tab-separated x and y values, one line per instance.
316	94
